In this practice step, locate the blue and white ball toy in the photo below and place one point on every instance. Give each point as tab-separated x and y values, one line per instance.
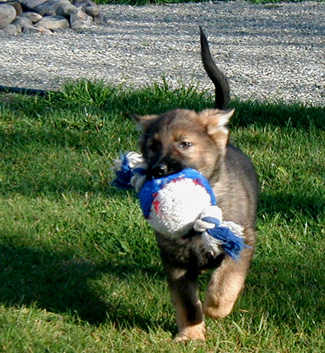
176	204
172	204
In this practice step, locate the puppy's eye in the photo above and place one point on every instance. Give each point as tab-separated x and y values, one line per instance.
154	146
185	144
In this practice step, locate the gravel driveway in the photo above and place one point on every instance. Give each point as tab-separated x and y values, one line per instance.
268	51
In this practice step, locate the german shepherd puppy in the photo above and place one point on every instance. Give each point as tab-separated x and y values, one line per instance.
181	139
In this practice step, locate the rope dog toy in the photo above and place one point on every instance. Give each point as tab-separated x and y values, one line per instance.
175	204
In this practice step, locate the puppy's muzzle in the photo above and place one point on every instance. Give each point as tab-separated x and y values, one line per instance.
158	171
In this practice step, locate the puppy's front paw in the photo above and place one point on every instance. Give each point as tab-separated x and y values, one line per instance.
191	333
217	313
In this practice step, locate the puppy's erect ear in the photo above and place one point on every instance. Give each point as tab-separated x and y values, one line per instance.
143	121
215	122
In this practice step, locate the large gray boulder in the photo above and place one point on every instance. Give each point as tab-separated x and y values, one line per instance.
7	14
10	29
80	20
66	9
33	29
49	7
29	5
53	22
16	4
88	6
33	16
21	22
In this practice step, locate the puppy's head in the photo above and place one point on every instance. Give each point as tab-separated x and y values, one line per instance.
182	139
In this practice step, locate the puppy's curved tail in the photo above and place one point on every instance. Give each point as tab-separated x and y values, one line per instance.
219	79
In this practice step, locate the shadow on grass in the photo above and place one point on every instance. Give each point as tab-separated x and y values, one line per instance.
34	137
290	205
62	284
99	99
289	289
294	115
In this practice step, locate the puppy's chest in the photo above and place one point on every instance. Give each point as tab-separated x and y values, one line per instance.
187	252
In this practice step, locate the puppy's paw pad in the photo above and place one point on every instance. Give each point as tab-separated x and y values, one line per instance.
181	338
191	333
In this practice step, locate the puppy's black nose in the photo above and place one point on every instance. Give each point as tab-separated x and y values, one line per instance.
159	170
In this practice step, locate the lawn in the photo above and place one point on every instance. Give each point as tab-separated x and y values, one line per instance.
79	266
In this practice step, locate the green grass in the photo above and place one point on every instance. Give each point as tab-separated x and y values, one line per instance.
79	266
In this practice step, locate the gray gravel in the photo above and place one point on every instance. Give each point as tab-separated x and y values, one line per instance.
268	51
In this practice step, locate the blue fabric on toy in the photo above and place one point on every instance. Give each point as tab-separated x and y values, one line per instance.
151	187
125	173
230	243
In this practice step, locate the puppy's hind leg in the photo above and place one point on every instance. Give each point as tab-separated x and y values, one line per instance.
225	285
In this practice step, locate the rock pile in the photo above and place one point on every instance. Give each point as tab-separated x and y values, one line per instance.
47	16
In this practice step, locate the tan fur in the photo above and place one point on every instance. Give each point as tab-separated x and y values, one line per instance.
193	127
187	330
225	285
195	333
